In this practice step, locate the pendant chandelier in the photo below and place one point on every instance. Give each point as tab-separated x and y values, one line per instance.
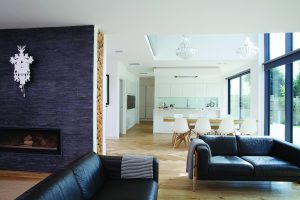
184	50
248	49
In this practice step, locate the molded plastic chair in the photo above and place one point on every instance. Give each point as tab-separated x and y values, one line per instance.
226	127
202	127
248	127
194	116
181	132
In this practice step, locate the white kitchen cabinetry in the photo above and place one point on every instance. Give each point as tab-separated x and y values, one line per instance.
189	90
176	90
164	90
212	90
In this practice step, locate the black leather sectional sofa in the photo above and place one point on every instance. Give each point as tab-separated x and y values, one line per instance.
93	177
244	158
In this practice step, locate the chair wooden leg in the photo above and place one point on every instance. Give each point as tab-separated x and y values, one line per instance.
173	139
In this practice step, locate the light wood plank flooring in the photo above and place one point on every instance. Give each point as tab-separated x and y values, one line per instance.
173	181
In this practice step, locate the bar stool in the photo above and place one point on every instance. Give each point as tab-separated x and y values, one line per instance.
181	132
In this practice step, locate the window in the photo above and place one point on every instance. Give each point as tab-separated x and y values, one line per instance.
282	86
296	41
296	102
277	102
239	95
277	44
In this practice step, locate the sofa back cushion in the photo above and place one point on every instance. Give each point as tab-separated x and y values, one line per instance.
89	173
254	145
221	145
59	186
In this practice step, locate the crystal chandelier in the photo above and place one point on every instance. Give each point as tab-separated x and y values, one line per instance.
184	50
248	49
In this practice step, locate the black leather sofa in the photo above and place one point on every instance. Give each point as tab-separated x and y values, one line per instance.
94	177
246	158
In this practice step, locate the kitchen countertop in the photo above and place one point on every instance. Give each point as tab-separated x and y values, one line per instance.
170	109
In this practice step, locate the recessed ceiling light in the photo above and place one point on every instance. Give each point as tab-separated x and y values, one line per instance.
143	73
118	51
135	63
221	63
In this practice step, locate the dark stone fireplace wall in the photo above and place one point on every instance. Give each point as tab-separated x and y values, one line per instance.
59	95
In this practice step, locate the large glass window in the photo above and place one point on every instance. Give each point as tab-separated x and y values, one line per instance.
239	96
235	98
277	44
296	41
277	102
283	86
296	102
245	96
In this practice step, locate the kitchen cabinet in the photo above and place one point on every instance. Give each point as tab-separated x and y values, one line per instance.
164	90
176	90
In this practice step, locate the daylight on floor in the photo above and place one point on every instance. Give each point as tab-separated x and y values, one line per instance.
146	100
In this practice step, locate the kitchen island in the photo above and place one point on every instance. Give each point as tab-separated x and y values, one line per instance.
162	126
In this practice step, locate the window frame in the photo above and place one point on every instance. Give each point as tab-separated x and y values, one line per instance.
287	60
238	75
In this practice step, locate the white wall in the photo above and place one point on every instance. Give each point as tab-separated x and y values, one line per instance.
118	71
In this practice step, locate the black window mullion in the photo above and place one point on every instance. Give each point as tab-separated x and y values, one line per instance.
288	102
240	98
288	90
267	85
228	96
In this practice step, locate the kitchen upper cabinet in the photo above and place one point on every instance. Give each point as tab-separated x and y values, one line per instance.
164	90
176	90
189	90
212	90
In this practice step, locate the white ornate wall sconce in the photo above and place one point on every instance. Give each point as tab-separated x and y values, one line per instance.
21	62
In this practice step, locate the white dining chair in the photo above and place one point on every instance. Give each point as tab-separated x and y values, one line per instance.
226	127
181	132
193	116
248	127
202	127
176	116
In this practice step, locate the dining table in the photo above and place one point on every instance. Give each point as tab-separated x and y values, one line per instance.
214	122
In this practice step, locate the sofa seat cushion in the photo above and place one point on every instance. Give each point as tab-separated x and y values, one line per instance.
128	190
266	166
229	166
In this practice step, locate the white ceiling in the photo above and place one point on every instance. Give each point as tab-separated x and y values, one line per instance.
125	23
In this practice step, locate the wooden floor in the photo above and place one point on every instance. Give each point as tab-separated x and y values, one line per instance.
173	181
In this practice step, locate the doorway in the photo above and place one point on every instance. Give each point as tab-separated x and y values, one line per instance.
146	98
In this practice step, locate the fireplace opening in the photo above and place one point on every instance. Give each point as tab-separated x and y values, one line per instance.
34	140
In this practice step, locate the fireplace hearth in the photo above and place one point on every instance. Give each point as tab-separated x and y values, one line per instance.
33	140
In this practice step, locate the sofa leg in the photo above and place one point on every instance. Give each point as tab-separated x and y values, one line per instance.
194	183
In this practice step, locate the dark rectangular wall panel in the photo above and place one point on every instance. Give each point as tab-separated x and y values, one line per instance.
59	95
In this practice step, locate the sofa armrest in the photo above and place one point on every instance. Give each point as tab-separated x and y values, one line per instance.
112	165
203	155
286	151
